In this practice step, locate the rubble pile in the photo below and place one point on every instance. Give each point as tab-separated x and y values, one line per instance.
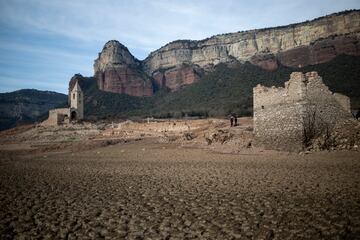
344	136
219	136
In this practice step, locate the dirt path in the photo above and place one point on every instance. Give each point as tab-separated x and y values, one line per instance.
152	191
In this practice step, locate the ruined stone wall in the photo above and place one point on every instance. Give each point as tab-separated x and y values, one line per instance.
57	116
329	108
344	101
282	114
277	115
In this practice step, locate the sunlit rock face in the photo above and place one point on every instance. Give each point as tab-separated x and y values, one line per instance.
302	44
177	77
116	70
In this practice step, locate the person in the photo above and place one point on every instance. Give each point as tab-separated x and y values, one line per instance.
231	120
235	117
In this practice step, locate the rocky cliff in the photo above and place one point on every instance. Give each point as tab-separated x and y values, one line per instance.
183	62
116	70
302	44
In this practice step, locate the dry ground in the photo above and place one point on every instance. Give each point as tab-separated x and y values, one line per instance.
143	190
171	180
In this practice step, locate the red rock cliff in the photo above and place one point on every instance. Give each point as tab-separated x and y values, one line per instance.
116	70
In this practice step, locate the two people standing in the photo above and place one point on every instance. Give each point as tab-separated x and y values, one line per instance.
233	120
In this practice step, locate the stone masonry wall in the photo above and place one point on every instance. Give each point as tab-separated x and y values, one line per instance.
329	108
57	116
280	114
277	116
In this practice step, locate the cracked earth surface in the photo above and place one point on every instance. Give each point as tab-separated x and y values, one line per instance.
153	191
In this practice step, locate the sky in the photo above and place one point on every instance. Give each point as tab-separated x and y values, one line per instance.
43	43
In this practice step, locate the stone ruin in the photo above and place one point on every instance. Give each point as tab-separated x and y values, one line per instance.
66	115
286	117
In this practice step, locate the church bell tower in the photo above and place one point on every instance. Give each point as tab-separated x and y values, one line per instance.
76	103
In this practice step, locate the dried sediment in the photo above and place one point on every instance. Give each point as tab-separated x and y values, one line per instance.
161	191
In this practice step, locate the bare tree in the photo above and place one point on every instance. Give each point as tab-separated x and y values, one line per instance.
314	126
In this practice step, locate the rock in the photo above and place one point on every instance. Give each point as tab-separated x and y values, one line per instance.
177	77
295	45
270	235
187	223
208	141
189	136
267	61
220	136
116	70
322	50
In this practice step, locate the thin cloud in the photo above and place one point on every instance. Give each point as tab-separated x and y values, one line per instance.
148	24
143	26
42	50
12	84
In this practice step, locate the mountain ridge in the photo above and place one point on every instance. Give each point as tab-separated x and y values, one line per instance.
260	29
27	106
183	62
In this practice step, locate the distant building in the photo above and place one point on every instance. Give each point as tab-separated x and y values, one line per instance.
76	103
283	117
66	115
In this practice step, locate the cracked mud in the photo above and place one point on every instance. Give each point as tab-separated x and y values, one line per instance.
153	191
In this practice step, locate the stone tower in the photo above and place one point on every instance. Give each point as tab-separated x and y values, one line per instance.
76	103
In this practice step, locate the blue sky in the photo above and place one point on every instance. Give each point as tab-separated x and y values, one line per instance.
45	42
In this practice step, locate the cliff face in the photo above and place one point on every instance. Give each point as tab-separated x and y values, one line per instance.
315	42
183	62
116	70
177	77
